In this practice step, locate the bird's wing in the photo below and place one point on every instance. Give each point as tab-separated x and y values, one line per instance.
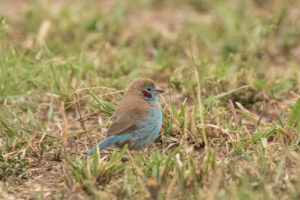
125	120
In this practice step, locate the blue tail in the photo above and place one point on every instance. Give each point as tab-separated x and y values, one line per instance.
110	141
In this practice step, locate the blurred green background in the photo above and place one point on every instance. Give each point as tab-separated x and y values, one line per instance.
205	53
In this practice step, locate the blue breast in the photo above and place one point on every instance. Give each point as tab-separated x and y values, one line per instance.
147	129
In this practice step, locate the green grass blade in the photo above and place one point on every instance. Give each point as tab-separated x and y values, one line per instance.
295	115
223	94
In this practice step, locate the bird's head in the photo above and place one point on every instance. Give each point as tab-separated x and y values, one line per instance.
146	88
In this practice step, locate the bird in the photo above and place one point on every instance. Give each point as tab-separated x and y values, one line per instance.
138	117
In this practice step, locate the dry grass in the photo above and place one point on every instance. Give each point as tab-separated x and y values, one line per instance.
231	111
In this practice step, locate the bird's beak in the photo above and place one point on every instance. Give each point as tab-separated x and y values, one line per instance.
158	90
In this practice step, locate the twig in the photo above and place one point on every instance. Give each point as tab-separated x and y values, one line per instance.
70	135
65	139
83	117
172	183
261	115
247	111
64	128
235	117
226	131
200	105
78	110
99	87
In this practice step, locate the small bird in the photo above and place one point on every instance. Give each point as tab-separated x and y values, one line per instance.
137	119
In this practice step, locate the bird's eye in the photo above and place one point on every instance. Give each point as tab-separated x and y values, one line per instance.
148	89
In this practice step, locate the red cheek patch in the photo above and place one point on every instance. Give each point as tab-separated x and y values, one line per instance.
146	94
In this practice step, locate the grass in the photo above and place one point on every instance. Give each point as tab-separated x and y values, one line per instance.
231	127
